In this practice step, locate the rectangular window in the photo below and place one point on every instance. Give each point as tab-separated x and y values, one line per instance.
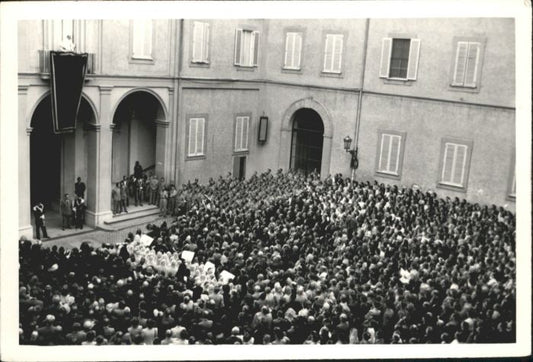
466	65
293	50
399	58
241	133
390	153
196	137
200	42
455	163
333	53
512	192
142	39
246	47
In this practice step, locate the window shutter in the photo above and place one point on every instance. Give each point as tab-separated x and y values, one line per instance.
328	53
384	157
196	41
148	39
337	54
386	48
238	37
298	51
394	154
238	130
460	163
289	50
256	46
138	38
414	52
200	136
244	142
472	64
447	167
205	57
460	63
192	136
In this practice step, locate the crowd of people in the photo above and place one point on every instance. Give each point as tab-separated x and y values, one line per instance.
283	258
144	188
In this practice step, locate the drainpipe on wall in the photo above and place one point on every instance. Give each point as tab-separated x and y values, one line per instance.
361	85
176	135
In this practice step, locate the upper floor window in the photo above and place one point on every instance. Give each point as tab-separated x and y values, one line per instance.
390	153
467	63
399	58
333	53
142	39
246	47
455	163
241	133
200	42
293	50
196	136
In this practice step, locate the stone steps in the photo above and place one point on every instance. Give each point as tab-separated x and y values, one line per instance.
134	216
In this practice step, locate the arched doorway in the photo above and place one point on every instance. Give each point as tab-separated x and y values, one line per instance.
56	160
135	133
307	141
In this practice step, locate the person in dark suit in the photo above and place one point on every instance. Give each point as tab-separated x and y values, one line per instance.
137	170
123	196
66	211
38	214
79	188
79	212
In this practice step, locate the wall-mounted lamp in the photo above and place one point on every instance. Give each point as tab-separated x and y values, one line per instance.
354	162
263	129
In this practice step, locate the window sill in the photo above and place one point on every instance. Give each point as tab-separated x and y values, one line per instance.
246	68
392	176
141	60
331	74
460	88
291	70
397	81
194	158
241	152
206	64
445	186
511	198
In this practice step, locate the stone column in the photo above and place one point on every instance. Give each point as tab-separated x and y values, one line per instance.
24	190
99	162
172	141
326	156
285	149
161	149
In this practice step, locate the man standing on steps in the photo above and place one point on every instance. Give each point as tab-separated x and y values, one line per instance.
66	211
154	189
115	198
38	214
79	212
123	196
79	188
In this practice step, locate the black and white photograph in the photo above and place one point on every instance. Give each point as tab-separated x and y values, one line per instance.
353	176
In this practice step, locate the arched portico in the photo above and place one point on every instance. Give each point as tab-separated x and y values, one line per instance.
287	133
50	163
139	133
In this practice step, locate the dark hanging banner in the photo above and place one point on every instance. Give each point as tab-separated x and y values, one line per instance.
67	75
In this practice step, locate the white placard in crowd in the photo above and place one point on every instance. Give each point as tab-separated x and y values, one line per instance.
187	255
146	240
225	276
209	265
